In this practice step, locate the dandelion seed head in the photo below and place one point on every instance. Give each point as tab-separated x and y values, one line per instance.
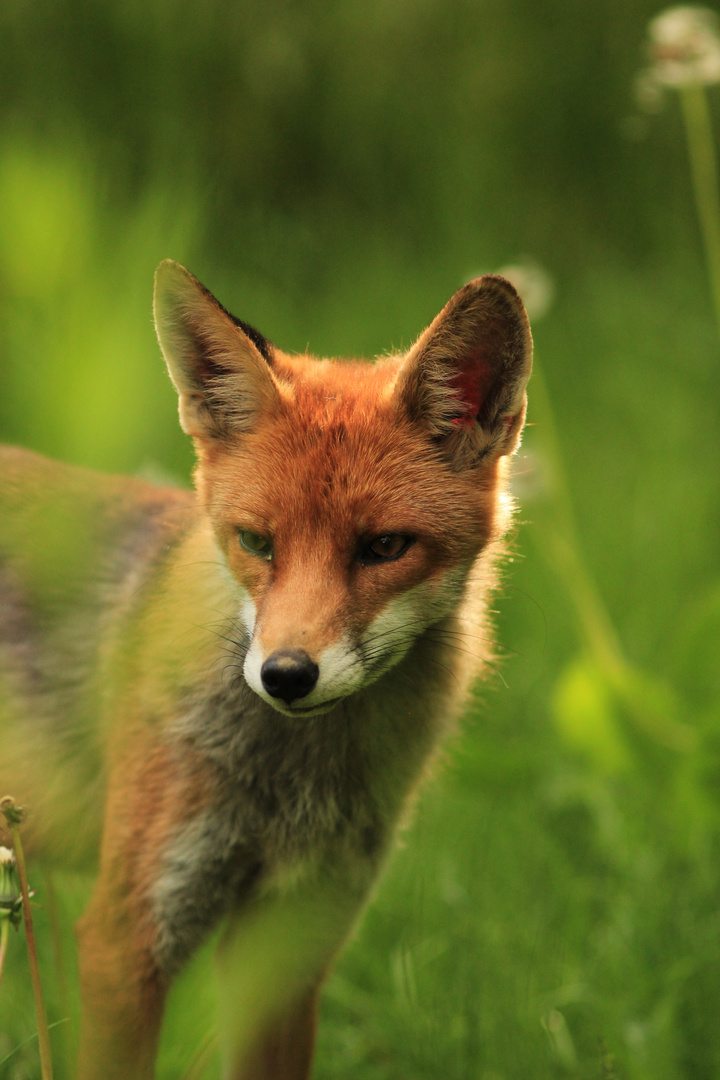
684	47
533	282
10	893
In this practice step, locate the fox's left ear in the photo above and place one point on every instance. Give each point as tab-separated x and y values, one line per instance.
220	366
464	379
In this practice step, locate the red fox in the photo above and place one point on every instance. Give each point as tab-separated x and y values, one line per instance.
228	697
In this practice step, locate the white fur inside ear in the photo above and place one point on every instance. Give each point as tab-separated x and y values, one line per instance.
190	409
514	427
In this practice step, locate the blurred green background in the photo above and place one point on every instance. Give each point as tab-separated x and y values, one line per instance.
334	172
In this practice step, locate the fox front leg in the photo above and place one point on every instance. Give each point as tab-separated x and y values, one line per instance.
123	978
123	995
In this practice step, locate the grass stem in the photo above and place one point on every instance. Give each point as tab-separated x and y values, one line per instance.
704	171
13	816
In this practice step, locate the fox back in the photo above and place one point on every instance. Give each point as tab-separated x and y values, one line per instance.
247	682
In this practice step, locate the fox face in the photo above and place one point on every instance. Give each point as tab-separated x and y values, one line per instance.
349	500
348	542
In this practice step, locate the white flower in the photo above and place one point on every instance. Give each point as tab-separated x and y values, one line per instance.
533	282
685	46
10	895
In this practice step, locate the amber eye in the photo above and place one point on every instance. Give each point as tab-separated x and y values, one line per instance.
256	544
385	548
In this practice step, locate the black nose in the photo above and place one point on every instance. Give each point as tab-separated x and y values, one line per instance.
289	674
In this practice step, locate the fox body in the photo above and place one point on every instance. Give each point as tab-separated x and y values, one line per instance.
229	696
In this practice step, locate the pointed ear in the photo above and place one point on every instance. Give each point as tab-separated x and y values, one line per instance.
464	378
219	365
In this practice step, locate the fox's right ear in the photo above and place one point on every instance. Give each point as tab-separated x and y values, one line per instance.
464	379
220	366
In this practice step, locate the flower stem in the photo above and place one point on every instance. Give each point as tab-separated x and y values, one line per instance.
13	816
704	170
566	554
4	931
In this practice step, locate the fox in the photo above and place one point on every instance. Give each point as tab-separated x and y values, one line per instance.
225	699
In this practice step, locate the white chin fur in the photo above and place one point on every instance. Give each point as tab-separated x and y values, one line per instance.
403	619
341	673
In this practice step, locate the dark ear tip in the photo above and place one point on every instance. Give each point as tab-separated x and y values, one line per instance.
492	291
495	285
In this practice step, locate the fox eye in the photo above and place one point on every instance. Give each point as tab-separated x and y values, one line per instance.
385	548
256	544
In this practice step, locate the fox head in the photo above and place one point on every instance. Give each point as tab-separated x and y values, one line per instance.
349	500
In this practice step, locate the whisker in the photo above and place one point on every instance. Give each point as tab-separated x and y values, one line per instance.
434	660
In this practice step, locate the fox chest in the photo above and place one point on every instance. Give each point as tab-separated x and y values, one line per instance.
285	809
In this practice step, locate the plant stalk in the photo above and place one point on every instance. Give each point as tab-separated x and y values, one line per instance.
704	171
4	933
13	815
